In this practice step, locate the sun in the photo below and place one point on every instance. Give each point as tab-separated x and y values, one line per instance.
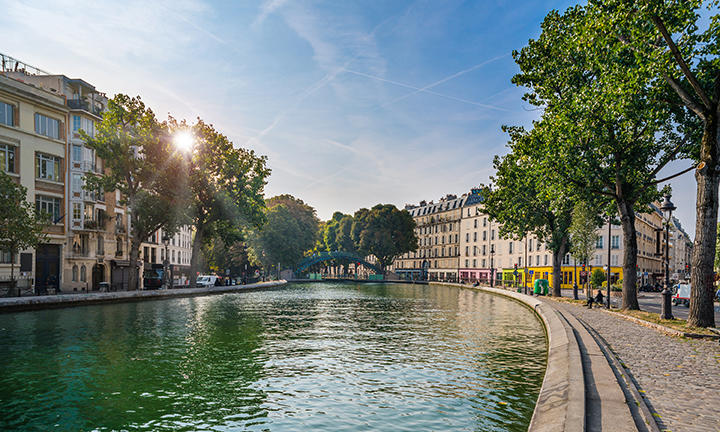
184	141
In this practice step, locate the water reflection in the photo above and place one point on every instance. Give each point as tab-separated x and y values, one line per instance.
310	357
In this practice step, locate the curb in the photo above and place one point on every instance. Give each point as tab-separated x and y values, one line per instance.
661	328
561	402
19	304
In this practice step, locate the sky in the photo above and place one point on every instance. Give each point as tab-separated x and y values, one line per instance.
353	102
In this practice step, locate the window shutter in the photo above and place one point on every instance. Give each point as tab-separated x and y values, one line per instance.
16	115
62	131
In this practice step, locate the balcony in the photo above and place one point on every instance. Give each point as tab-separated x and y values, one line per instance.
82	104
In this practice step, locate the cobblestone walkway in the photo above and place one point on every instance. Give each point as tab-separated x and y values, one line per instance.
680	377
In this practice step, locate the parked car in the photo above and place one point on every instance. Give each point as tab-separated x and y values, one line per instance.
681	295
204	281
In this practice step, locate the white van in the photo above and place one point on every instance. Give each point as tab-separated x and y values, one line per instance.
204	281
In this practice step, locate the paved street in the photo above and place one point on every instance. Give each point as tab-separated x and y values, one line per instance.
679	377
652	302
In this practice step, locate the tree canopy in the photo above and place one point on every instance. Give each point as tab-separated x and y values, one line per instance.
384	232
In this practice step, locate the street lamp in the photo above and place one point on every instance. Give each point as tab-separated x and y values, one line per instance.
492	265
667	209
166	242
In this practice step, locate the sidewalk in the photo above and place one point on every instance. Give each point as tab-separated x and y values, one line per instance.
680	377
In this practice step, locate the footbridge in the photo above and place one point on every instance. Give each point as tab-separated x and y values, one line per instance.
336	255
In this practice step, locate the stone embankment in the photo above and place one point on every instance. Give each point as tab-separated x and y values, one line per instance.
586	387
14	304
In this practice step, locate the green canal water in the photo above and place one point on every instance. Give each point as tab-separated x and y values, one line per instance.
309	357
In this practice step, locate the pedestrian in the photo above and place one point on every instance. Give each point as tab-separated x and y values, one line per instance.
597	299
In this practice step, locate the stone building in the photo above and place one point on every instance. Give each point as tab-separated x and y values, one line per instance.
438	233
179	251
33	152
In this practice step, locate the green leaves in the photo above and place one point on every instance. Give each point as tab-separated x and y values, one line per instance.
384	231
21	226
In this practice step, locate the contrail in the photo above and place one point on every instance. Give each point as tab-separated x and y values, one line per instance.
446	79
424	90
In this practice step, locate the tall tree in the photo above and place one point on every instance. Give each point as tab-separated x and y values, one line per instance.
607	133
21	227
524	200
583	232
226	187
681	52
141	163
289	234
385	232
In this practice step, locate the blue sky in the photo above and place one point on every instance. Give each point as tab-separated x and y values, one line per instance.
354	102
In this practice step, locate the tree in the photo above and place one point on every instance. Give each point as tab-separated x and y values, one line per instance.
226	188
597	278
221	255
21	227
141	163
344	238
290	232
583	232
679	50
606	131
385	232
524	200
330	232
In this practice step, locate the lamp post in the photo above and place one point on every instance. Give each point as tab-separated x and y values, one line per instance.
667	209
492	265
166	242
609	271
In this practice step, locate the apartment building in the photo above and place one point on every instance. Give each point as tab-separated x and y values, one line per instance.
33	148
179	251
438	233
681	252
484	255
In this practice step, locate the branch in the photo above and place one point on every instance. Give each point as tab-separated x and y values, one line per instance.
653	183
668	157
681	62
685	96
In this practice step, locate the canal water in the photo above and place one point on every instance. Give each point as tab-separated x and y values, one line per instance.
309	357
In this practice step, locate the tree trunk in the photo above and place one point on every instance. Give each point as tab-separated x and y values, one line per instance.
627	219
196	251
558	256
134	277
701	273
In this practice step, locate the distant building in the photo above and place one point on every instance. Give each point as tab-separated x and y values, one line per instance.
438	233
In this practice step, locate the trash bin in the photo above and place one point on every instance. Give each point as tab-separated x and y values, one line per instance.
541	287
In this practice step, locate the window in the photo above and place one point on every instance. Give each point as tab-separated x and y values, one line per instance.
467	250
510	250
537	260
77	211
83	274
484	221
7	114
530	245
7	158
467	237
599	243
173	256
566	259
475	223
101	245
615	242
5	257
598	260
614	260
76	123
75	273
492	235
118	246
47	126
77	153
76	183
475	236
475	263
546	259
47	167
484	235
49	205
484	249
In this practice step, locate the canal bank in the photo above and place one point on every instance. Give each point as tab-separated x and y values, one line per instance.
17	304
585	387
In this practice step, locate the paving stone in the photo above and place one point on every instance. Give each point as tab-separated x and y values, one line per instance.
680	377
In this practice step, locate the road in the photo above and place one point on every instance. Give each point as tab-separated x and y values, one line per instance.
652	302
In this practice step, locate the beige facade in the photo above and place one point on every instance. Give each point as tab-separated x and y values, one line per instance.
33	152
680	252
438	233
